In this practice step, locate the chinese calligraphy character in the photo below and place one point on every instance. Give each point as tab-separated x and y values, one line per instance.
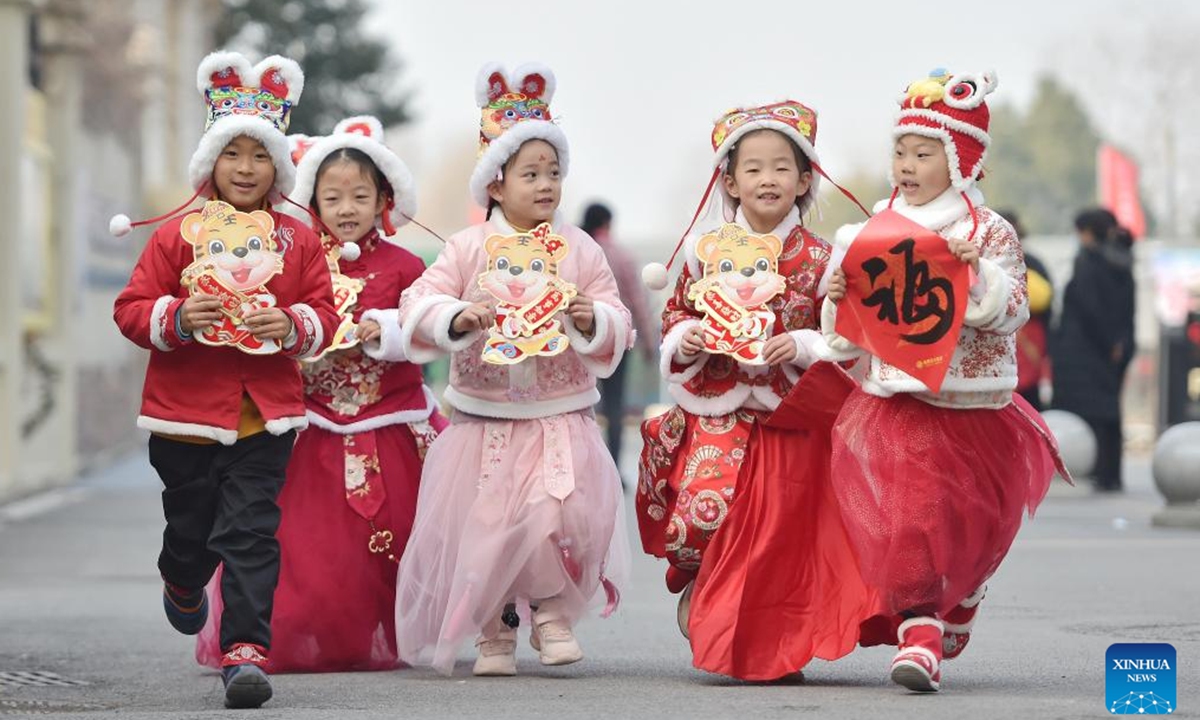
922	297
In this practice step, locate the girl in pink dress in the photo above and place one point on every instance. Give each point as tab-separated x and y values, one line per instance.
351	489
520	502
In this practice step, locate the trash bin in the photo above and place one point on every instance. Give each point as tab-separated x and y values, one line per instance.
1179	373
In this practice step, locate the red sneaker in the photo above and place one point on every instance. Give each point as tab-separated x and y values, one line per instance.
918	664
957	625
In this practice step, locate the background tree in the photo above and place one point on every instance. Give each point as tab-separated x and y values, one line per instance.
1043	164
346	71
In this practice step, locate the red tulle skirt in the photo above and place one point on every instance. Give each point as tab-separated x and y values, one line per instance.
933	497
778	582
335	603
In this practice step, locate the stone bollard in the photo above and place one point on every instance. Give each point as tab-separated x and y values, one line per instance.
1176	471
1076	442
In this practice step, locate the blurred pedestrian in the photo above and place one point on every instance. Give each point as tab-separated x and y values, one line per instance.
1093	344
597	222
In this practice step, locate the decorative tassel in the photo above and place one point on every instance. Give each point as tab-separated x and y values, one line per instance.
388	228
655	275
120	225
845	192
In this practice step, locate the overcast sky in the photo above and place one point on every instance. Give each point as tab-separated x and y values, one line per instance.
640	81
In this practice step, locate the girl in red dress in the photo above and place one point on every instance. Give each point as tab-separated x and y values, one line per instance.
933	485
740	505
351	490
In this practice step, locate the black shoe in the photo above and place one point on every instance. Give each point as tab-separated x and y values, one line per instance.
246	686
187	610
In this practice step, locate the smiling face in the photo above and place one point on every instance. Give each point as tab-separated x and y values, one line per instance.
532	186
519	267
920	168
239	246
244	174
765	178
347	200
746	266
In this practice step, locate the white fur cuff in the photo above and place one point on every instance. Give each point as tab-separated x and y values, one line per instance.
445	318
669	353
162	325
390	345
806	347
831	346
987	311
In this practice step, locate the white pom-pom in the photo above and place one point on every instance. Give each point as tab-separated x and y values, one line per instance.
654	276
120	225
351	251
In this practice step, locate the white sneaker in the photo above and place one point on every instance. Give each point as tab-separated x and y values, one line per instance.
685	609
552	636
497	654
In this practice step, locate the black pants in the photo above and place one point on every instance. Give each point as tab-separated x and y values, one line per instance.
612	407
1109	440
219	503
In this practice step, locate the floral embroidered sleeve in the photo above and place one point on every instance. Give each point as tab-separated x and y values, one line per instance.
1003	306
680	316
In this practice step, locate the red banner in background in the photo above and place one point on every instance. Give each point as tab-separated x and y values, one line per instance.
1117	183
906	296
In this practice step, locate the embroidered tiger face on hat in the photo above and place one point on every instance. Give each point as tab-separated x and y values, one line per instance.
514	109
255	101
952	109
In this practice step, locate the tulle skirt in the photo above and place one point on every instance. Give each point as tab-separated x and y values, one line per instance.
932	497
509	512
334	606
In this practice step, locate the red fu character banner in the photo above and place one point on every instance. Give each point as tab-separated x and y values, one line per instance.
906	297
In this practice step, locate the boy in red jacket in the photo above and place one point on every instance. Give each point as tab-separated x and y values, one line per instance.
226	300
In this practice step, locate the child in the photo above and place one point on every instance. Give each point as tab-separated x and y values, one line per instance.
223	418
932	485
740	508
520	501
351	489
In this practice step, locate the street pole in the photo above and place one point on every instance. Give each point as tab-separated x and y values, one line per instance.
64	41
14	57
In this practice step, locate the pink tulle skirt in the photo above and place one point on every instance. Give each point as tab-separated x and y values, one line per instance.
933	497
491	530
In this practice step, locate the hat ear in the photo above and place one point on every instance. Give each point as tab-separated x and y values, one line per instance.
282	77
364	125
298	144
535	80
222	69
490	84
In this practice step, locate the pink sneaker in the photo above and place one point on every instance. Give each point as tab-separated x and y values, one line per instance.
552	636
497	652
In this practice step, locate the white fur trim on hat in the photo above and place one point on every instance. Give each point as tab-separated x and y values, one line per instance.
516	80
221	60
223	131
957	180
507	145
792	134
388	162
